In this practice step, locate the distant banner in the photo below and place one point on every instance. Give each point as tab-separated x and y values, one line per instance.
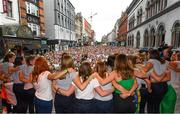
5	6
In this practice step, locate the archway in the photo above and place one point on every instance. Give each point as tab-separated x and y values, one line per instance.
152	37
176	34
161	35
146	38
138	37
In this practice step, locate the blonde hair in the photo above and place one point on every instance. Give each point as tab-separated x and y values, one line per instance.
101	69
122	67
67	62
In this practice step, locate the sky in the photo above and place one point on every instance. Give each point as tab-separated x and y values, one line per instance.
108	11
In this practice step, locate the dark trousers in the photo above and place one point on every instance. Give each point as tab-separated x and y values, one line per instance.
124	105
19	92
29	102
144	97
104	106
84	106
42	106
155	98
7	105
64	104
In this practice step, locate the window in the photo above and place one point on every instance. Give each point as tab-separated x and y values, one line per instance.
132	41
138	40
153	38
146	38
28	9
32	9
9	5
62	20
161	34
176	35
65	23
154	7
139	16
165	3
59	19
34	28
131	22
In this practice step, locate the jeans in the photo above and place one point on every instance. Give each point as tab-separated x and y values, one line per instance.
20	96
144	97
124	105
84	106
43	106
104	106
156	96
29	96
64	104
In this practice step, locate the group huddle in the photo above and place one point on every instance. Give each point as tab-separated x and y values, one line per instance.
142	82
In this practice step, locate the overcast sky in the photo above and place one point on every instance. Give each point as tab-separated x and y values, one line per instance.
108	11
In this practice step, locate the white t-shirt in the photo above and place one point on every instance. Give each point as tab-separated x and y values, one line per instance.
175	76
158	67
43	87
105	98
88	92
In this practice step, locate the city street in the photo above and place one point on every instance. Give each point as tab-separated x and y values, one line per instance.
86	56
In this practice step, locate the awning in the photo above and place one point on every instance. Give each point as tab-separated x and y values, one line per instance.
31	47
52	41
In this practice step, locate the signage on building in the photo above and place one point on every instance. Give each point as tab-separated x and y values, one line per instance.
43	42
24	32
5	6
32	19
9	30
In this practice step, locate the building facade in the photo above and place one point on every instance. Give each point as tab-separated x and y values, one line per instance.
87	32
32	14
9	15
60	22
22	26
79	28
9	12
152	23
122	31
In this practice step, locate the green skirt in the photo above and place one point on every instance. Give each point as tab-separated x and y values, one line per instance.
169	101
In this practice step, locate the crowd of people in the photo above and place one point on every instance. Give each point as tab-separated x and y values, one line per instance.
100	79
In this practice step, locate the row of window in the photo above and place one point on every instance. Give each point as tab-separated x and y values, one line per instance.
66	8
32	9
155	38
65	22
35	28
9	9
152	8
155	6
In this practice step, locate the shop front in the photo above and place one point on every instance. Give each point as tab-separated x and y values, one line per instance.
21	38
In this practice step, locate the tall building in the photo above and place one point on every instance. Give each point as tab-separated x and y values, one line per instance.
22	25
60	22
152	23
9	15
86	32
79	28
32	14
122	31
